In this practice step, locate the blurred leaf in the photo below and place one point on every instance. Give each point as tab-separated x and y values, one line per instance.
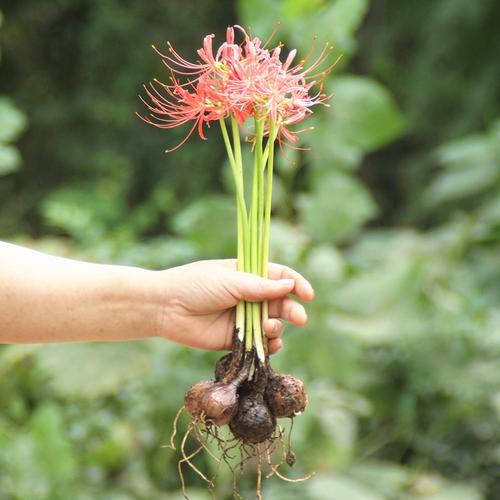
83	217
382	287
335	24
432	487
470	166
384	478
298	8
118	447
9	159
325	263
160	253
12	121
340	487
287	242
467	152
53	451
250	12
462	183
38	461
94	369
336	208
329	21
209	223
363	117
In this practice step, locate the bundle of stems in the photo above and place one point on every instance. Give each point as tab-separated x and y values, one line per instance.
253	223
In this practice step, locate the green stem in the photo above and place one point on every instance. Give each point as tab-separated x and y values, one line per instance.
267	213
247	307
268	199
248	327
256	219
241	216
239	168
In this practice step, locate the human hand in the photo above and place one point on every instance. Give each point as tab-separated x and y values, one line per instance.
199	306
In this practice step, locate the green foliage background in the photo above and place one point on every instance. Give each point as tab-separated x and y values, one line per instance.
394	215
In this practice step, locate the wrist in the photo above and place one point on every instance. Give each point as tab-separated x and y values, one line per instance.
139	295
163	290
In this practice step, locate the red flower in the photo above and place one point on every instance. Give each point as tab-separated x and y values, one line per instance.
241	80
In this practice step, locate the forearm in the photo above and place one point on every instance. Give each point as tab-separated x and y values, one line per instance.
50	299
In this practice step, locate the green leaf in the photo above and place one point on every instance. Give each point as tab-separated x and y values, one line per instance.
9	159
467	152
382	287
53	451
288	242
209	223
299	8
336	208
261	15
85	218
462	183
362	118
12	121
469	166
325	263
335	23
92	370
340	487
36	459
385	478
159	253
301	20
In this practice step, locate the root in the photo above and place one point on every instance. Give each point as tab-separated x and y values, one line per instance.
204	441
174	429
289	479
290	455
187	459
224	449
274	467
259	474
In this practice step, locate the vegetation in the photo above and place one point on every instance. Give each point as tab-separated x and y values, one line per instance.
394	215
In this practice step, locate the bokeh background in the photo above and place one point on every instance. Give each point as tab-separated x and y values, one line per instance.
394	215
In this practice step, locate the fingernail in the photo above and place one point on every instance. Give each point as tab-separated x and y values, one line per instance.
286	282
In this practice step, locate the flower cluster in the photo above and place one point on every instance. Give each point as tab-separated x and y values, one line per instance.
240	79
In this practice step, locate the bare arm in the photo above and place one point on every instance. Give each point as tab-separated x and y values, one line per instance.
51	299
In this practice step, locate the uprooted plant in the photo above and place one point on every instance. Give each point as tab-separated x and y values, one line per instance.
251	92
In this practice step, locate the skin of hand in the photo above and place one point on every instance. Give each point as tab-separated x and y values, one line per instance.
199	309
52	299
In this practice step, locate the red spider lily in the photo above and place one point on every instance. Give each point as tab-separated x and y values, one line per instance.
241	80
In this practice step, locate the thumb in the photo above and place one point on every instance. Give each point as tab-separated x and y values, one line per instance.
255	288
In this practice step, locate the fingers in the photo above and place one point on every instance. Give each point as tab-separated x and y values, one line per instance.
255	289
273	327
302	287
286	309
274	345
289	310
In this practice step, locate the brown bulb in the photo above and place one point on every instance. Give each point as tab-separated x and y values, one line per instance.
253	422
194	395
285	395
219	403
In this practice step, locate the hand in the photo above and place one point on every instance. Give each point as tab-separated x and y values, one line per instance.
200	304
